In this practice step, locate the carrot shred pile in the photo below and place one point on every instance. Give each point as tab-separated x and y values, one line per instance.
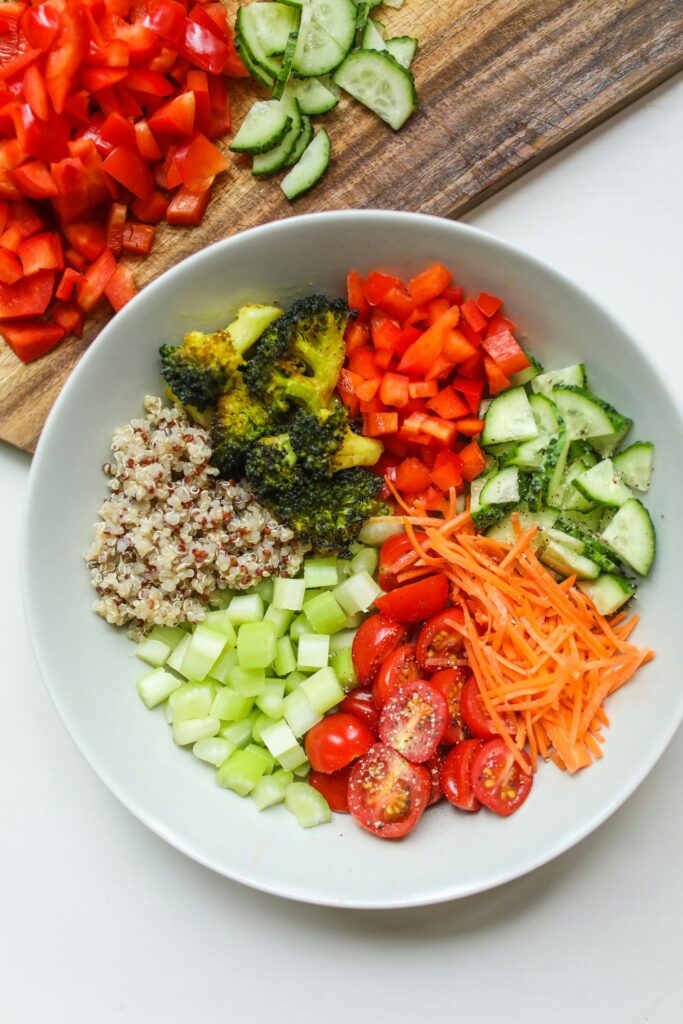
538	647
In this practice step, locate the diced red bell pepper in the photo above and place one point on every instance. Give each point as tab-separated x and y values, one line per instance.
367	389
473	461
413	423
504	349
138	238
152	210
164	60
33	339
355	295
440	368
488	304
68	317
120	288
501	323
473	367
497	380
65	55
456	347
454	295
384	358
441	430
204	49
412	475
220	105
74	259
376	424
198	83
144	139
145	81
25	218
15	65
42	252
40	25
356	336
96	181
175	119
448	405
219	15
420	357
346	388
43	140
72	202
474	316
394	390
385	333
470	426
429	284
167	19
96	80
423	388
435	309
96	278
4	212
198	162
397	303
126	165
34	180
35	92
68	281
27	297
143	44
362	361
447	470
118	130
378	284
116	223
10	267
88	238
128	105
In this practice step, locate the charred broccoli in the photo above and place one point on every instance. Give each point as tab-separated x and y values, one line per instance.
298	358
239	421
201	368
324	442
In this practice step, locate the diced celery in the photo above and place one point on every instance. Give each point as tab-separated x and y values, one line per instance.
342	663
314	651
230	706
220	621
265	589
354	621
259	725
245	608
323	689
270	790
293	680
300	626
341	640
153	652
325	614
320	572
365	561
376	533
206	647
247	682
191	700
256	645
239	733
221	598
178	653
169	635
241	771
283	745
279	618
285	658
270	699
357	593
309	807
343	568
260	751
298	713
192	729
302	771
227	661
156	686
288	594
168	713
214	750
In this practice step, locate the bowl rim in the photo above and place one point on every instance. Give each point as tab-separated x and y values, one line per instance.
448	893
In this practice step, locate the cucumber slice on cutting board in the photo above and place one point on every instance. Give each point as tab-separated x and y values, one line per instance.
379	82
310	167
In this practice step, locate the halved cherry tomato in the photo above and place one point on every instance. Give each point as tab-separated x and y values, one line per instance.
456	775
498	780
361	704
397	669
392	552
434	766
337	741
475	715
416	601
388	794
440	643
450	682
375	638
334	787
413	720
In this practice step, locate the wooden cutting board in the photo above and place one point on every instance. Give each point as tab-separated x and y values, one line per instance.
502	85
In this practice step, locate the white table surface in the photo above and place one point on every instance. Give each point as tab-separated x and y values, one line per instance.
101	921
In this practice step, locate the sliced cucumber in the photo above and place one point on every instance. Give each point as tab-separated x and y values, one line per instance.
379	82
574	376
635	465
273	23
250	64
570	497
305	136
567	562
276	158
372	37
609	443
545	486
287	61
602	485
326	35
403	49
586	415
588	544
528	455
247	38
501	488
546	414
589	521
608	592
509	418
504	529
566	539
583	451
631	536
264	127
310	167
313	96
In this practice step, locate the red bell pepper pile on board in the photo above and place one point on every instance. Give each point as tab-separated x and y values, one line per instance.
107	112
420	358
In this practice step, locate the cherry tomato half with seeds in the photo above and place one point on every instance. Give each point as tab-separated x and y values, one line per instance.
450	682
361	704
337	741
375	638
413	720
498	780
397	669
440	643
477	718
415	602
334	787
392	558
456	775
434	766
387	794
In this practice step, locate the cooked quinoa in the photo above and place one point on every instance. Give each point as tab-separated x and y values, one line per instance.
171	533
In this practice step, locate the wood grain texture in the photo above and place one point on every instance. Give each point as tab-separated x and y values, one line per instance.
503	84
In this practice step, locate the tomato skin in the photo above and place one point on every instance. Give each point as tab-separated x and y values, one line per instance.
440	643
498	781
361	704
475	715
393	551
397	669
450	682
334	787
456	775
434	766
415	602
387	794
413	720
375	638
336	741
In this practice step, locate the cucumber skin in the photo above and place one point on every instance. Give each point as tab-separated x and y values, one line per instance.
270	144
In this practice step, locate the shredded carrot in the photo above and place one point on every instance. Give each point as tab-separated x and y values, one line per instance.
541	653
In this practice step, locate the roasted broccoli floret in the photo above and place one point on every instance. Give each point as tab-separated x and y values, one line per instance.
297	360
201	368
238	423
324	442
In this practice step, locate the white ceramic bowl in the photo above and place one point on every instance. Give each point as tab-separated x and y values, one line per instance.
89	667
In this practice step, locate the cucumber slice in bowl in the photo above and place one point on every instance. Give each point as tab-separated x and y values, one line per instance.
310	167
631	536
608	592
379	82
635	465
264	127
